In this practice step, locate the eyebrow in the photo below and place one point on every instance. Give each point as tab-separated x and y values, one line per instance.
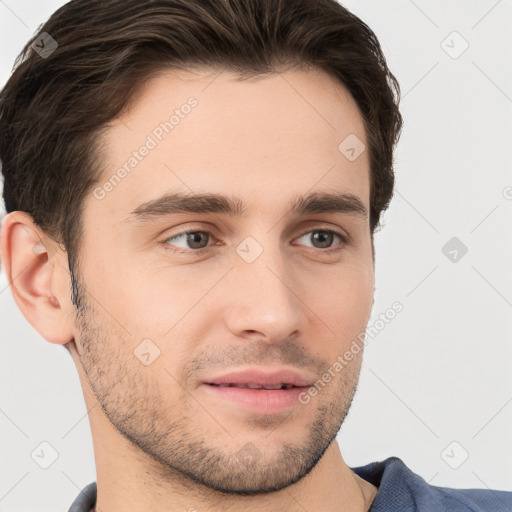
313	203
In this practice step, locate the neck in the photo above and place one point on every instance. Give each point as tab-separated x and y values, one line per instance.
127	483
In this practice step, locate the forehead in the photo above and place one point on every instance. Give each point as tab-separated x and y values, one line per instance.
207	131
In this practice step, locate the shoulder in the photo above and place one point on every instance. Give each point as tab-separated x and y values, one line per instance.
86	500
400	489
474	500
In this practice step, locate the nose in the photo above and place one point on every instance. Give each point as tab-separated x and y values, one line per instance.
264	299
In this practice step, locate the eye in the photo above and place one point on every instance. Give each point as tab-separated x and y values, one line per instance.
323	239
192	240
197	241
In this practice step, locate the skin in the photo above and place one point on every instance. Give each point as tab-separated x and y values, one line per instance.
161	441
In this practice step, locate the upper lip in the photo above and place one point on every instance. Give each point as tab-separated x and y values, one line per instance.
262	378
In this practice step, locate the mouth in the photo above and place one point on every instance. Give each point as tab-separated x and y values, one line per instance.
260	391
257	378
255	386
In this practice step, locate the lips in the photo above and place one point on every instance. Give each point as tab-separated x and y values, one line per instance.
258	391
258	379
255	386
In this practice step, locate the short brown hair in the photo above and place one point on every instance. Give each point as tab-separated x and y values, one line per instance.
53	109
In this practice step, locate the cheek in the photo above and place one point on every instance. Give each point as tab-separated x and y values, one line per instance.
145	303
345	301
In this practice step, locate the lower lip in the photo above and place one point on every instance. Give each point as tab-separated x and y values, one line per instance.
264	401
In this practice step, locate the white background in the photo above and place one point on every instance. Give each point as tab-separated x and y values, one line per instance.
440	371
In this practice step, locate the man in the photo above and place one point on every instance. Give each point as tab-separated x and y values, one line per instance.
192	189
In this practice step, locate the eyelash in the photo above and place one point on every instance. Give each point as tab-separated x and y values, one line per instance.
344	240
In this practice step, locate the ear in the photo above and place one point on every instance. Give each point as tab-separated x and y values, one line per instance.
37	274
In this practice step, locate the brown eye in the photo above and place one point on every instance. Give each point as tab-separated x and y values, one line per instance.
190	240
324	238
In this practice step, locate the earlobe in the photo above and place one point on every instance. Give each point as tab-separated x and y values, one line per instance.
32	271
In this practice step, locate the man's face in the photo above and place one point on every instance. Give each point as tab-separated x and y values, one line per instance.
247	296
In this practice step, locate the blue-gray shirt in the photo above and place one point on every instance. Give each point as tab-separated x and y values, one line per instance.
399	490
